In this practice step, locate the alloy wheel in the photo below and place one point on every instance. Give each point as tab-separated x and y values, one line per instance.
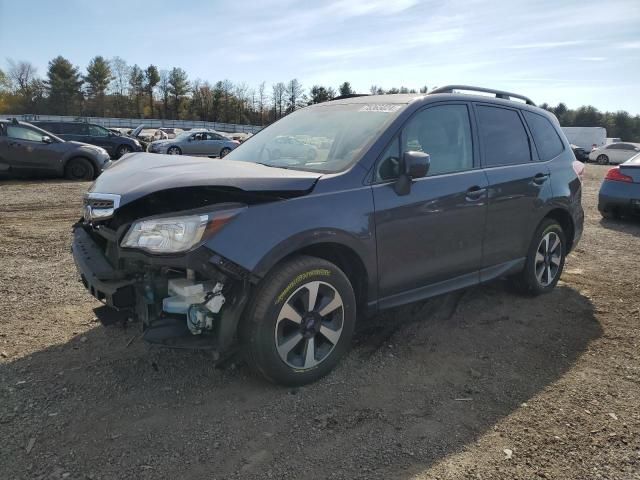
548	259
309	325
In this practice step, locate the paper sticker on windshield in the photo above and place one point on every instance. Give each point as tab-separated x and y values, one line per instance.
381	107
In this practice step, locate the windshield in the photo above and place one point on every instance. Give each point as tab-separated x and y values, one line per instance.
320	139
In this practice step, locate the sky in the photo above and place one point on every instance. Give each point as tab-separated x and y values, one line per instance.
577	52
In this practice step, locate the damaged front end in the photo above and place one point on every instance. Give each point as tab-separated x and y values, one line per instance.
148	260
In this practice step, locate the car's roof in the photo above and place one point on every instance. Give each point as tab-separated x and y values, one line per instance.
407	98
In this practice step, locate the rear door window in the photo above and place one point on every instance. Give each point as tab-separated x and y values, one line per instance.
503	136
545	136
75	128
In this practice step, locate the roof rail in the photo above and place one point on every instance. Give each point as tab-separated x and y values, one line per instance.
497	93
350	95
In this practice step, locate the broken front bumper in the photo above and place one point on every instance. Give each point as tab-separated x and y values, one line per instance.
98	276
140	287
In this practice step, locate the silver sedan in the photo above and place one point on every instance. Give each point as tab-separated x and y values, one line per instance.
197	143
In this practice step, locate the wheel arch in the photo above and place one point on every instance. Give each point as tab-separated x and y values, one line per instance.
563	217
344	256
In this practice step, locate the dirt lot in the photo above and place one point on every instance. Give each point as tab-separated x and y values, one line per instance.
479	384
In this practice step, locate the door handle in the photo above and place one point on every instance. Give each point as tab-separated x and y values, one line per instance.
540	178
14	144
475	193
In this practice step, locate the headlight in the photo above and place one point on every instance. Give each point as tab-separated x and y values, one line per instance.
176	234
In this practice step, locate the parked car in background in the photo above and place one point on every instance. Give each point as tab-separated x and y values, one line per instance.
620	190
28	150
614	153
289	148
195	142
580	153
418	195
171	132
116	145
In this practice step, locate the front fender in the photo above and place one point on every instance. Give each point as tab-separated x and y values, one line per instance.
266	233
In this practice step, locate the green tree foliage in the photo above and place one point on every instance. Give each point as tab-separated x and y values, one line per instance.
152	78
178	88
97	81
136	82
63	83
321	94
345	89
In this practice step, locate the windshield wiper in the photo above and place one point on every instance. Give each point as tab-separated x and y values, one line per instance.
271	165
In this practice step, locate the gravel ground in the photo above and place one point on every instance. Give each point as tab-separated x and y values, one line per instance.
479	384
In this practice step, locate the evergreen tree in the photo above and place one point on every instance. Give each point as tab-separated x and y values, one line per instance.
345	89
63	83
97	79
152	78
178	87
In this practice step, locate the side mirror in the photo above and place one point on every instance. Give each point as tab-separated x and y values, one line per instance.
413	165
46	139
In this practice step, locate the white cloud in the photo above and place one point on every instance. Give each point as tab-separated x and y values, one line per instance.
540	45
630	45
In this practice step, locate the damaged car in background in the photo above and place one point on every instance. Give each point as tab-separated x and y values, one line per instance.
276	252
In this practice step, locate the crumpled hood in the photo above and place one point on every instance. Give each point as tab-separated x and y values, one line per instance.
140	174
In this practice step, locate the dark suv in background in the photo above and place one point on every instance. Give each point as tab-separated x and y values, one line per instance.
405	197
116	145
28	150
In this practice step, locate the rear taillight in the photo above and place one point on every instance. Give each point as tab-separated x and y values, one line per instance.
578	167
617	176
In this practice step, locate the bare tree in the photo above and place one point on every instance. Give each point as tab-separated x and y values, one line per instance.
279	90
261	101
119	84
165	88
294	94
21	74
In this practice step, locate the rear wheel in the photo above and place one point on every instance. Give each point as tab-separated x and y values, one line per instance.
300	321
545	259
224	152
174	151
79	169
602	160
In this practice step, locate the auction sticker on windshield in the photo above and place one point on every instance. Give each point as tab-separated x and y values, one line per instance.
381	107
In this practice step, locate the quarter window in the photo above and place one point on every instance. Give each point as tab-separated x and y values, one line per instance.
545	136
504	139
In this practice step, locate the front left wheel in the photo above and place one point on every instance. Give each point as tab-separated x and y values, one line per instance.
300	321
224	152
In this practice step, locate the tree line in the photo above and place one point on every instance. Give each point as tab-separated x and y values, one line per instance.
113	88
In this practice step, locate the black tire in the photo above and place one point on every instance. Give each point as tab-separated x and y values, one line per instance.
79	169
602	160
528	281
173	150
287	285
123	150
224	152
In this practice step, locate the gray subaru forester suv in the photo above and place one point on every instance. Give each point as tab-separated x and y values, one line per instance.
405	197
